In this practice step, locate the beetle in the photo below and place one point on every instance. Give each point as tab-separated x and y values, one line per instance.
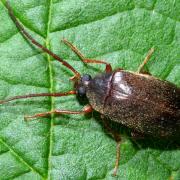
137	100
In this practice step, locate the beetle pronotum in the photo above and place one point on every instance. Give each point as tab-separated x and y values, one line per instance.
141	102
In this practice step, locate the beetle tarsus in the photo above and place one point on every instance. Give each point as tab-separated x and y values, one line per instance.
148	56
73	48
117	158
26	118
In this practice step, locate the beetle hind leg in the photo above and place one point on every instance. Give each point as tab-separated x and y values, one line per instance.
117	138
117	157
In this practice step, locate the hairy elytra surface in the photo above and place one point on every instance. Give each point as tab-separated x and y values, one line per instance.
142	102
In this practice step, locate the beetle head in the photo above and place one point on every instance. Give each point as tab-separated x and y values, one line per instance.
82	84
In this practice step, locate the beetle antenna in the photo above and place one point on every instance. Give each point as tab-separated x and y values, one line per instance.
33	41
37	95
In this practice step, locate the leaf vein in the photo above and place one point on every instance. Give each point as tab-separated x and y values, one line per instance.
96	20
20	158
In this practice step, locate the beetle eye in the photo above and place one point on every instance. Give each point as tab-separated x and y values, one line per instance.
81	91
86	77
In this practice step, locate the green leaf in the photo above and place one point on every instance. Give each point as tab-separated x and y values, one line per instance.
72	146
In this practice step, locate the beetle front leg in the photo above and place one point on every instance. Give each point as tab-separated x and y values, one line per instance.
85	110
87	60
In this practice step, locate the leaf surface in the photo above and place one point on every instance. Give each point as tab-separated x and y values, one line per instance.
72	146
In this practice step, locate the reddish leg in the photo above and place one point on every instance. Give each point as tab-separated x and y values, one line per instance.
149	54
85	110
86	60
117	138
117	157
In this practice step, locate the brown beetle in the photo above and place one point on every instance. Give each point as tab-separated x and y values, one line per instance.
140	101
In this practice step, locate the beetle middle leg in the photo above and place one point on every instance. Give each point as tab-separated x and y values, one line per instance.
148	56
85	110
87	60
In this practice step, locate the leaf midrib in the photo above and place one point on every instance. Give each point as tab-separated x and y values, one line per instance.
50	90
